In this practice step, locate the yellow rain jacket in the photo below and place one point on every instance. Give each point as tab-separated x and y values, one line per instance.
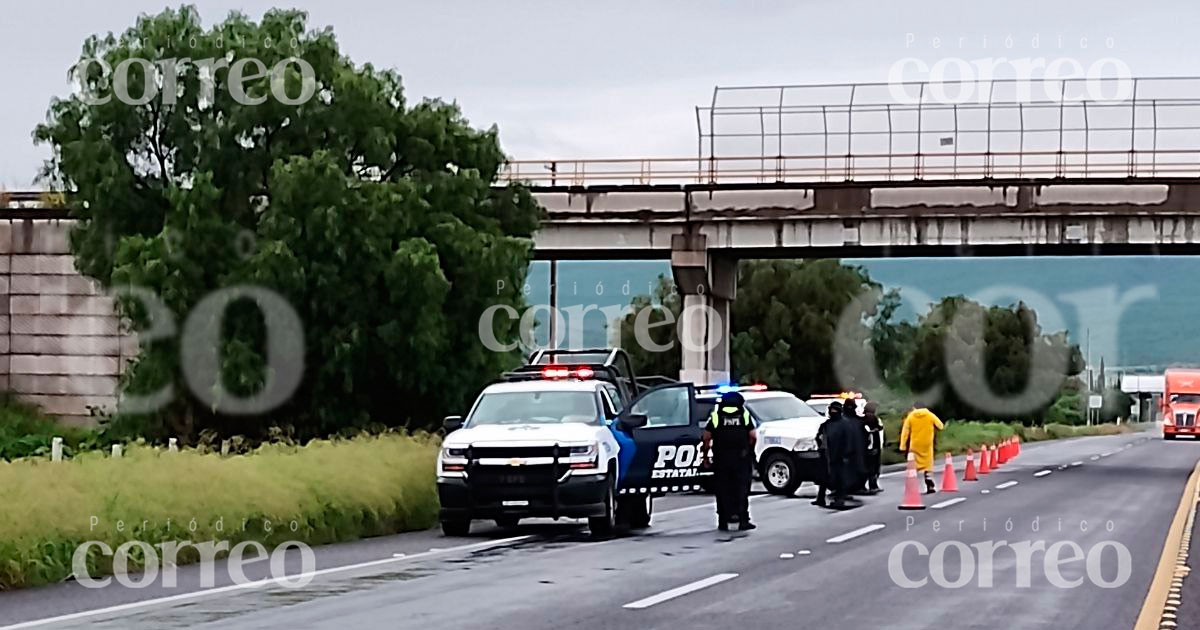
917	436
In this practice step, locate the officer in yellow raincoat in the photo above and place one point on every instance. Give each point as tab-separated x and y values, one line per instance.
916	437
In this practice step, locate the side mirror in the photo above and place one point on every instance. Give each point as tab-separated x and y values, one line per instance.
633	421
452	423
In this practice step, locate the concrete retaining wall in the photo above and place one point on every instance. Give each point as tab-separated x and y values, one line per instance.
61	345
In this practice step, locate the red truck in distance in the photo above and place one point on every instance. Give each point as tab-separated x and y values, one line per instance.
1180	403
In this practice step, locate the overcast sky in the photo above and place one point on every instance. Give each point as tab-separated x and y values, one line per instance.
617	78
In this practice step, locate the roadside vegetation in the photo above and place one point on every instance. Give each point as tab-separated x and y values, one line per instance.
958	436
327	490
25	431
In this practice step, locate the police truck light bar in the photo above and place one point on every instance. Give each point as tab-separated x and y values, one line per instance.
732	387
560	371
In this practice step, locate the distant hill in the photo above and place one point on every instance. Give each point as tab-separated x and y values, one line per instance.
1161	327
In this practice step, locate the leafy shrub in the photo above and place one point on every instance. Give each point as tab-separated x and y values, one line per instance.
25	432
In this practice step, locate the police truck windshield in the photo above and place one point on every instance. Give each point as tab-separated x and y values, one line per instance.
780	408
535	408
1185	398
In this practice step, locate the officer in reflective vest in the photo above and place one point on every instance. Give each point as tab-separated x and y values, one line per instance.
728	447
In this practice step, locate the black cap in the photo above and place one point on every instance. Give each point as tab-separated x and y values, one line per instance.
732	399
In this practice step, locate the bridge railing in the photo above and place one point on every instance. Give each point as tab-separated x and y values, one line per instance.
882	167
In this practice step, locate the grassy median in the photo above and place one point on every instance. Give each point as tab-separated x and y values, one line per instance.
322	492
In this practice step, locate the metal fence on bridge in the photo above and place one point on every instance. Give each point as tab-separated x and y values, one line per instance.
1080	128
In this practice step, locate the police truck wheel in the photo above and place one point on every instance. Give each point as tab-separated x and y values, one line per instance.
604	526
507	522
779	474
456	528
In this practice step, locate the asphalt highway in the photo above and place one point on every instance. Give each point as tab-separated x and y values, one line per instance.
1110	499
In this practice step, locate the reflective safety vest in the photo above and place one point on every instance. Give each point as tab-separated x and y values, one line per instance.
716	421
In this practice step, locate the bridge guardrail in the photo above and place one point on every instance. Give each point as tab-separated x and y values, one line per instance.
884	167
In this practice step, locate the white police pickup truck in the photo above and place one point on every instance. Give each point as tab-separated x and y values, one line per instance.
573	434
786	453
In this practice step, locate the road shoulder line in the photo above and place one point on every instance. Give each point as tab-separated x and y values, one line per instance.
1156	597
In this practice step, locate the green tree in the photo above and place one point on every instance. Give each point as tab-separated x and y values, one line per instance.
960	338
782	326
785	318
1116	404
375	219
658	353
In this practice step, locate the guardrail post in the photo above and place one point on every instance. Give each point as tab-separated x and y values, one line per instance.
224	448
56	449
116	451
173	445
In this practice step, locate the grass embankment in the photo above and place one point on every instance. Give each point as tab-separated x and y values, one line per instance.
322	492
957	437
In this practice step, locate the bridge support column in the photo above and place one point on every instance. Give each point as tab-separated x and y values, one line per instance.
708	284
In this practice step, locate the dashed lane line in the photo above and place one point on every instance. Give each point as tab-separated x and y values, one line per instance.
680	591
1042	473
862	531
1076	463
1007	484
947	503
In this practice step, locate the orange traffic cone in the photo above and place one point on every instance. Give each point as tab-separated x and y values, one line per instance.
985	463
996	458
969	471
1002	452
949	483
912	487
1017	444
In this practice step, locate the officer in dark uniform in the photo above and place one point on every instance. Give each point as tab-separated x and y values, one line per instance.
728	447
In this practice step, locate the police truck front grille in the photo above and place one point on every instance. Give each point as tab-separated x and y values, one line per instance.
1185	419
510	452
525	476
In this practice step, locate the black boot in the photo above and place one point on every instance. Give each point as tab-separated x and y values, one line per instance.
745	525
723	525
929	487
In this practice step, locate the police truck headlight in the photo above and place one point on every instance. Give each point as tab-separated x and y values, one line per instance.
454	459
805	444
589	451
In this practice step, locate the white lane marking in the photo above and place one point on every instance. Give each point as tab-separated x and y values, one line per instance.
679	591
1007	484
1042	473
803	552
856	533
947	503
1076	463
786	556
399	555
985	492
1107	454
1094	457
255	584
